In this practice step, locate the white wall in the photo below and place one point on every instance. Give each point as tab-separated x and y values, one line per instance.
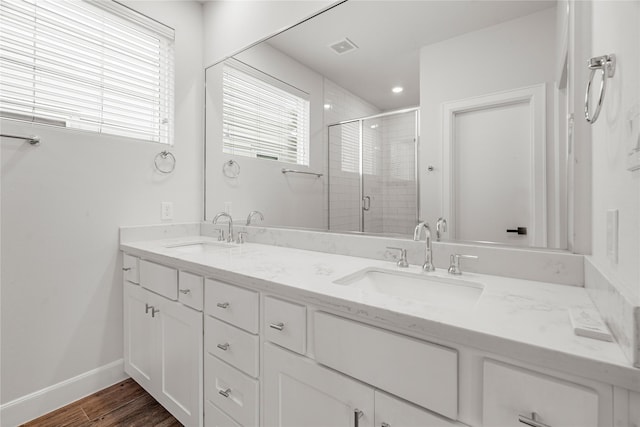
482	62
234	25
62	204
616	29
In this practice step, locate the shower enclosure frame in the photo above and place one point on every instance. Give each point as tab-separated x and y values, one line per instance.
360	121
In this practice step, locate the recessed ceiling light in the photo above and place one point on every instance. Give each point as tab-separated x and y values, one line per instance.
397	89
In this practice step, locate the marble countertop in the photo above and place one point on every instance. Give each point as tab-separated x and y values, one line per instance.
521	319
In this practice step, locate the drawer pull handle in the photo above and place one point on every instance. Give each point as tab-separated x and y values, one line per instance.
385	425
154	311
533	421
185	291
357	414
277	326
225	393
223	347
146	308
126	268
223	304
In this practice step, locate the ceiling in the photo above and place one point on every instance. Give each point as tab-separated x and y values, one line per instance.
389	35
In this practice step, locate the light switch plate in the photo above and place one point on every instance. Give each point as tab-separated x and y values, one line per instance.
612	235
166	210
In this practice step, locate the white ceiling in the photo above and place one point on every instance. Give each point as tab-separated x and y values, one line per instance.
389	34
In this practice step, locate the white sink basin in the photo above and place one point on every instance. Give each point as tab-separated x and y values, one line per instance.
426	288
200	247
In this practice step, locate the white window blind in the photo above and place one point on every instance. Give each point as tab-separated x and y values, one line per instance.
263	117
92	65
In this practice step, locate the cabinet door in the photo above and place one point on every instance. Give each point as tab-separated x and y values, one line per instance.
140	338
511	393
394	412
300	393
180	357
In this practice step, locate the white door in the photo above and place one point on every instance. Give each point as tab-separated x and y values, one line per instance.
494	168
140	352
300	393
180	354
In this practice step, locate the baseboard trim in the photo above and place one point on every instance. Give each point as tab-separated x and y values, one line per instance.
50	398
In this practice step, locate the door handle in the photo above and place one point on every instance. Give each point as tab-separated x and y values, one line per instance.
366	203
357	414
520	230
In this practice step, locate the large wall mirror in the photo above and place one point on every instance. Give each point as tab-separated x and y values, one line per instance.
375	115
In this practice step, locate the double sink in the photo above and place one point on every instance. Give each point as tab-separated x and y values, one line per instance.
428	288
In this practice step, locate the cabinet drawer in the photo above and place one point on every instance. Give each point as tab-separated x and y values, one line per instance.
232	304
510	392
190	290
130	268
214	417
232	391
235	346
395	412
404	366
159	279
285	324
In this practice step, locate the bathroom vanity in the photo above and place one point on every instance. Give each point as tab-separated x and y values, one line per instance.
258	335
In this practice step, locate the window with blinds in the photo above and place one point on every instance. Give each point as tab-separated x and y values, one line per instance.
263	117
94	65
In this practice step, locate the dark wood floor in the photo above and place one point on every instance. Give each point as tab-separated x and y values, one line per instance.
122	404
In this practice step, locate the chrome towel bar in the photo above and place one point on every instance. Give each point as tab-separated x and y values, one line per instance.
33	140
285	171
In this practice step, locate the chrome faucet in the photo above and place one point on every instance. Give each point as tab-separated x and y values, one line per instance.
251	215
224	214
428	258
441	227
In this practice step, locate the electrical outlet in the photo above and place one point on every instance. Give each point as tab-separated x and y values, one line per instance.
166	210
612	235
227	207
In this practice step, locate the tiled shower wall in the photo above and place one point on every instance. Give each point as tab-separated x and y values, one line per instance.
399	185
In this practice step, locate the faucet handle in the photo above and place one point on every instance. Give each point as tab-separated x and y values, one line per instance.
402	262
221	237
241	237
454	262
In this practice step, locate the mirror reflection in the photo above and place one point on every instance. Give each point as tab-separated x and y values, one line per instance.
375	115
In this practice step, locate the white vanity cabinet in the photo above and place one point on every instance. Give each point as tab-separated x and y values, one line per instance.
232	355
299	392
512	395
163	348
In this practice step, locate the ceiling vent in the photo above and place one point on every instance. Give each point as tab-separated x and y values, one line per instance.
343	46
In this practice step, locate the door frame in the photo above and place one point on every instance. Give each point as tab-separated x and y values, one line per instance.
535	97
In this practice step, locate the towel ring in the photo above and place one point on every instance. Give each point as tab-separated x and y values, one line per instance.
164	155
606	64
231	169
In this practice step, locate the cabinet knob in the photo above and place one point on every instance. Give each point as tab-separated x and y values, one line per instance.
223	347
185	291
223	304
225	393
277	326
533	421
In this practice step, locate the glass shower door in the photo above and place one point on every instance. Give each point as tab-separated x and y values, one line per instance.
389	179
344	177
